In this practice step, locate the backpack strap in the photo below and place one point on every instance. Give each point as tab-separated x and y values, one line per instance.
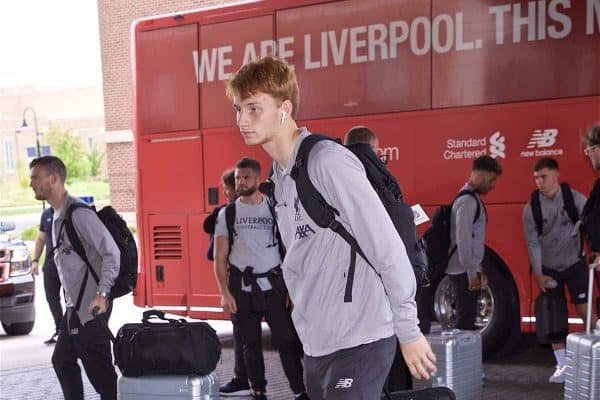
477	212
569	202
69	228
571	210
230	222
536	210
321	212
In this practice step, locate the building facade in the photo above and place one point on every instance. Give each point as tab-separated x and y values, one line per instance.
116	18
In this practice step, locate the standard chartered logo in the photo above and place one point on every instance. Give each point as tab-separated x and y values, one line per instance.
497	146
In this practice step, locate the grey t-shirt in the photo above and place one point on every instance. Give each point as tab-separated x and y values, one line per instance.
253	245
559	246
466	235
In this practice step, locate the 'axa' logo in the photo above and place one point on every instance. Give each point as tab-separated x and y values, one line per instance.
344	383
302	231
497	146
541	139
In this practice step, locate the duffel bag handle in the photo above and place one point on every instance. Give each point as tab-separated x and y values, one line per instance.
148	315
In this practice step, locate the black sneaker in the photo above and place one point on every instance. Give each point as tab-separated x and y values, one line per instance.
259	396
52	339
235	387
302	396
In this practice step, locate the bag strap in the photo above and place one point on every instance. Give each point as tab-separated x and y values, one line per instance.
230	222
536	211
569	202
317	208
69	228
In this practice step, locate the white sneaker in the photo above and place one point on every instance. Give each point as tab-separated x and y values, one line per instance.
559	374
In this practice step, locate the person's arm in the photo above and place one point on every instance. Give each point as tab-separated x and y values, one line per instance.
221	263
340	177
40	241
534	247
464	209
93	232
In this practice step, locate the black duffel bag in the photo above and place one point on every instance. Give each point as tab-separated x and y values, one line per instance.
174	347
436	393
551	318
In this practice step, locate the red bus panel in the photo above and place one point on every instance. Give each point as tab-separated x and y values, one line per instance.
167	94
223	49
369	78
509	52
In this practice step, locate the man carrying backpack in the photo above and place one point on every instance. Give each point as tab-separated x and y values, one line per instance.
591	212
467	240
350	279
554	245
249	276
81	335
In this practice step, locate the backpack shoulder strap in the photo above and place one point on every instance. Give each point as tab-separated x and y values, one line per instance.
471	193
313	202
78	247
536	210
569	202
321	212
230	222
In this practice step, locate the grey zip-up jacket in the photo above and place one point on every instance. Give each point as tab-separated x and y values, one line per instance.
466	235
558	248
100	248
317	260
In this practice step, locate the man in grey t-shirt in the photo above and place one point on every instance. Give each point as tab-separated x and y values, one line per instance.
554	246
467	240
248	272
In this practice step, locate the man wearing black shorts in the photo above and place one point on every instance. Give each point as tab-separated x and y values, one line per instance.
554	245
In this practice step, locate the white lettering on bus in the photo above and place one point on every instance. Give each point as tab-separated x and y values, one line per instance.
533	20
593	10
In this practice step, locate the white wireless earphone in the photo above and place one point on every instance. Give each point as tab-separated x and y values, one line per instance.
283	114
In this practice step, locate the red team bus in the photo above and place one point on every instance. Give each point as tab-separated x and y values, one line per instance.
441	82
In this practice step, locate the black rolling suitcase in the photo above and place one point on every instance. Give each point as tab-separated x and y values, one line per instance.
436	393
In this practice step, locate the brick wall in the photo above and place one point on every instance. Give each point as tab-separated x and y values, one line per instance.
115	19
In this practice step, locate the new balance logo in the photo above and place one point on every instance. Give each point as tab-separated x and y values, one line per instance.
539	139
302	231
344	383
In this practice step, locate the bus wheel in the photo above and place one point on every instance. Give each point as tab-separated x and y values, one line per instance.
497	311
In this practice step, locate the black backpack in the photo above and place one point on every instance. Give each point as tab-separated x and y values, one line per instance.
437	236
591	218
230	222
127	278
386	186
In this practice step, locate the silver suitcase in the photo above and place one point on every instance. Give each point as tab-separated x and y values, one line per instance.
459	365
160	387
582	377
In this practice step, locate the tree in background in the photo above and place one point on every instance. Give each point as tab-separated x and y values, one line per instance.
68	148
94	160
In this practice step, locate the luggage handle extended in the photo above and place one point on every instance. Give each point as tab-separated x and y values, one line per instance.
588	316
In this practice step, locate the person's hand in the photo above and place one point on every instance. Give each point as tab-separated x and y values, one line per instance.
484	280
419	358
596	259
35	267
541	281
475	283
228	302
98	305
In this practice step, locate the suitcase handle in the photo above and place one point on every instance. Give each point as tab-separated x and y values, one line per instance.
588	315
